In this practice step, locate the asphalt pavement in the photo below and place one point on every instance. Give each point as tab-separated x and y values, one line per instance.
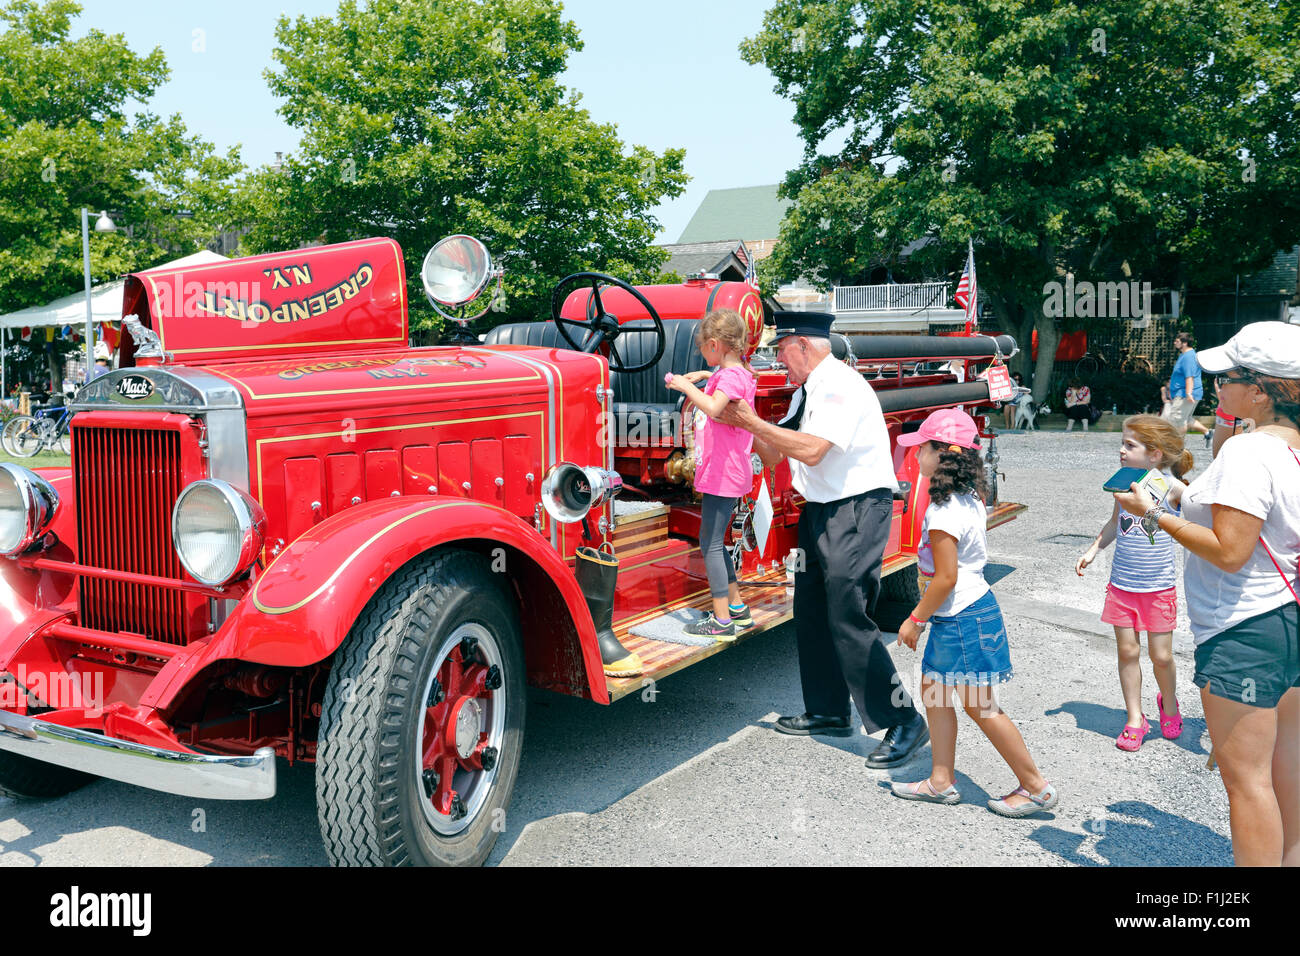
693	773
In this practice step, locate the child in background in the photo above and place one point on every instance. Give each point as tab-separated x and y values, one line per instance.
1141	595
724	473
967	651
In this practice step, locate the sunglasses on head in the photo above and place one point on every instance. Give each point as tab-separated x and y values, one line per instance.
1226	378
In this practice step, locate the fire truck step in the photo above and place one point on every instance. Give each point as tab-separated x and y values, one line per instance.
769	606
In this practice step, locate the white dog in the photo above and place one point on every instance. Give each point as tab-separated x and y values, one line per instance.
1024	405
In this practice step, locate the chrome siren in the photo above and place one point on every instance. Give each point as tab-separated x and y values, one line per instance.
570	491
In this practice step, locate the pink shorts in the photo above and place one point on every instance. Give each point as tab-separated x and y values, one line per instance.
1155	612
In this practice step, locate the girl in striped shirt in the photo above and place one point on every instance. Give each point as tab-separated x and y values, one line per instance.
1141	595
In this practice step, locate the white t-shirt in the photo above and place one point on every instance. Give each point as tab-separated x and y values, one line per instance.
1255	473
841	408
965	518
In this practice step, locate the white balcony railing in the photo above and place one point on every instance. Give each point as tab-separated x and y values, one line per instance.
894	297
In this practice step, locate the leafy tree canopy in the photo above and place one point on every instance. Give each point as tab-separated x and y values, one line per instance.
1151	138
66	142
424	118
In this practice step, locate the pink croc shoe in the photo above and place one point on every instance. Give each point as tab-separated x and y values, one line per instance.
1171	725
1130	738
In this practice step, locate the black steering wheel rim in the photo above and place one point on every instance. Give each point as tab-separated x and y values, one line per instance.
601	327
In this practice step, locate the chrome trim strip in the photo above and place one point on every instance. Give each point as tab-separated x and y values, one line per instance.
171	771
227	435
200	391
552	453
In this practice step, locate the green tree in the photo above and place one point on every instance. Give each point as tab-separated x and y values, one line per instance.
67	142
424	118
1156	139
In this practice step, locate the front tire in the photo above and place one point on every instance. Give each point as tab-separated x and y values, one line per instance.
899	594
423	720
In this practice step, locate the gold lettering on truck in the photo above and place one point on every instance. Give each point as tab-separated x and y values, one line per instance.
223	299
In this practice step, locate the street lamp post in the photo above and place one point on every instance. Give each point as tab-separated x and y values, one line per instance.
102	224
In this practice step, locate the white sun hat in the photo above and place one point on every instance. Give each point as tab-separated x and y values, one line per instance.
1270	348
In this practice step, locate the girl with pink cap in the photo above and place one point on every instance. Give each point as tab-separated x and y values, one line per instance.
967	651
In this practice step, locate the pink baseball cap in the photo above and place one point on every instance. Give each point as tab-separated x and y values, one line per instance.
950	426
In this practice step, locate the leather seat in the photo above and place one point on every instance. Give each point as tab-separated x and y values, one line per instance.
644	407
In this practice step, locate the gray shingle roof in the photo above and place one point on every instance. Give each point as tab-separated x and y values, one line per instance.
1279	278
687	257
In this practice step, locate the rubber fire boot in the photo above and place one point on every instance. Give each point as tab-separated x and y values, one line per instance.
597	574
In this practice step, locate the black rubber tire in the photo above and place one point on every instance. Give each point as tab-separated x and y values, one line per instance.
368	808
899	594
28	779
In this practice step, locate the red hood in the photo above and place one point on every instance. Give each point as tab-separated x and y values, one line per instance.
348	297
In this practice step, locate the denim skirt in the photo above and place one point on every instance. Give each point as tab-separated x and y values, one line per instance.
970	647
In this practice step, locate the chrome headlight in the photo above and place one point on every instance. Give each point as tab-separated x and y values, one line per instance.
217	530
28	504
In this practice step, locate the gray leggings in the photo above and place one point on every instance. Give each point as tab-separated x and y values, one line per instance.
715	517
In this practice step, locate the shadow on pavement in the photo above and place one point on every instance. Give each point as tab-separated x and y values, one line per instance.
993	573
1107	721
1134	833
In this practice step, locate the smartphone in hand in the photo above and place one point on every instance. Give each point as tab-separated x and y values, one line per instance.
1122	479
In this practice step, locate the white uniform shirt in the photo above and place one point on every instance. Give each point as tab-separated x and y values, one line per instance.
841	408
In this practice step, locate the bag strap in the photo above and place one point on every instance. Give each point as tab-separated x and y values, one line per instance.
1270	553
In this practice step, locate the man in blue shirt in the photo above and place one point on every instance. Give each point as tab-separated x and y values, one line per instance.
1184	390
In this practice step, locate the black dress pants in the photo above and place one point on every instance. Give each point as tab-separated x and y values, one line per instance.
841	652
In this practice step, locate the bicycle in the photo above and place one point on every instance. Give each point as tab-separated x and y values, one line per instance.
1089	364
1135	364
26	435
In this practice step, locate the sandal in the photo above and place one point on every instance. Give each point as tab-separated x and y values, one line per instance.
914	791
1046	800
1170	725
1130	738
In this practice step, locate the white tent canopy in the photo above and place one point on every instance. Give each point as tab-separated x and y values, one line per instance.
105	306
105	302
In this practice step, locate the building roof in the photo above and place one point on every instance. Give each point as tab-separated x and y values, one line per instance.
716	257
751	212
1278	278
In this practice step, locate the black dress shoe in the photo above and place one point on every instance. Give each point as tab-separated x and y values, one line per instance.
807	724
900	743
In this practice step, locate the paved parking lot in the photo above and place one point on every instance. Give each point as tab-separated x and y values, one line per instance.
697	775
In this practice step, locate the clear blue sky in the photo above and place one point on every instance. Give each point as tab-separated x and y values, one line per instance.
667	74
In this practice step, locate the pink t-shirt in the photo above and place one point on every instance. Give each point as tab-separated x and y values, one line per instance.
723	466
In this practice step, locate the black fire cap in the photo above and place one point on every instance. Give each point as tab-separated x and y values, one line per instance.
814	325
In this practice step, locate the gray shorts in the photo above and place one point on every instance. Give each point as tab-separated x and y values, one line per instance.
1254	662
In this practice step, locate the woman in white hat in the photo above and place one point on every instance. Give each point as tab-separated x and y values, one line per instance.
1241	527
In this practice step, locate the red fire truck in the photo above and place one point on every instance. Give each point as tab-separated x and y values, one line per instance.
287	535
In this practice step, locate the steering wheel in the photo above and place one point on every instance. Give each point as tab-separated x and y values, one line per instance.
601	327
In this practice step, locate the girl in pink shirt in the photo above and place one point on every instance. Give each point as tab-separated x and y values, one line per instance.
724	472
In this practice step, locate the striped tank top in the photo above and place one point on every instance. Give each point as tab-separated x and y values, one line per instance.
1139	565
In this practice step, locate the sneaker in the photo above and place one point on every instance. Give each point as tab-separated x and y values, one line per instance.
1209	439
740	617
709	627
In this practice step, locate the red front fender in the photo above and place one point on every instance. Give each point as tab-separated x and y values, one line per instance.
305	602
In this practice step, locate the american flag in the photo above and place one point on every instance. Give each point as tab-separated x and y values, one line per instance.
967	292
743	255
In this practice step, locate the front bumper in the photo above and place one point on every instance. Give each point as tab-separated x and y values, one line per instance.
171	771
